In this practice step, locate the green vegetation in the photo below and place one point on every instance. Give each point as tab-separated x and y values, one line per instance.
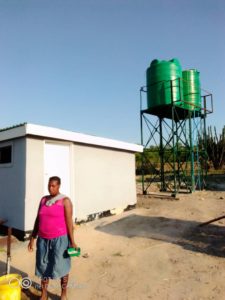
216	148
215	157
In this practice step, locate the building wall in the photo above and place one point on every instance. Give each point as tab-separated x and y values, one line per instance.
34	179
101	179
12	185
104	179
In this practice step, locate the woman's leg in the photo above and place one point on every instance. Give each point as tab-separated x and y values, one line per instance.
64	283
44	287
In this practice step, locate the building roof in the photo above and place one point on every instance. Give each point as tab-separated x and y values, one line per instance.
25	129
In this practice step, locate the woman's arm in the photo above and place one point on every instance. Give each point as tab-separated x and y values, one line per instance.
34	233
68	208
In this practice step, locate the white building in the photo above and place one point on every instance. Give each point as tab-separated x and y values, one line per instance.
98	174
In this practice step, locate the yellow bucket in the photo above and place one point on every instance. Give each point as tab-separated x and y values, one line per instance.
10	287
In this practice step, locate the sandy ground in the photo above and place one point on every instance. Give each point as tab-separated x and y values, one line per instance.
157	252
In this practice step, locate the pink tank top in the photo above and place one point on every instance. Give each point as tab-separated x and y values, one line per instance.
52	222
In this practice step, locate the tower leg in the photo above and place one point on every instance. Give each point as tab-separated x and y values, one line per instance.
161	153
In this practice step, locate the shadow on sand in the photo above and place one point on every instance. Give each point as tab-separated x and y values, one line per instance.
209	239
215	182
32	293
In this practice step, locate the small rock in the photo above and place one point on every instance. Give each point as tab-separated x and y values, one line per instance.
85	255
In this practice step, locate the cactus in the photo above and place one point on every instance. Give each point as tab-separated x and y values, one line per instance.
216	147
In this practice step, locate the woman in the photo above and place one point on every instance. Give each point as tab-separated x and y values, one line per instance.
54	228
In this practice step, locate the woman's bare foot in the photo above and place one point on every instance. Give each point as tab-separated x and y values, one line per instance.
44	297
44	287
64	283
64	295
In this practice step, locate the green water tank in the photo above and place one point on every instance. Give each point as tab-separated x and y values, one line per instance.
191	89
159	76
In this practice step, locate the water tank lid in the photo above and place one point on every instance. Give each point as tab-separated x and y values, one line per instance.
154	62
191	70
195	70
157	61
175	60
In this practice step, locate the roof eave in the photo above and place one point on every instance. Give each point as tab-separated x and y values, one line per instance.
65	135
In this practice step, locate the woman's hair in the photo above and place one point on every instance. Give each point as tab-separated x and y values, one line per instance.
55	178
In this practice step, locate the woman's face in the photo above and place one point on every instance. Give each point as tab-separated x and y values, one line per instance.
53	187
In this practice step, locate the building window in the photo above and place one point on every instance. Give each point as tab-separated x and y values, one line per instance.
6	154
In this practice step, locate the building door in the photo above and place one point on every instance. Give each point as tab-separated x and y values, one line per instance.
57	163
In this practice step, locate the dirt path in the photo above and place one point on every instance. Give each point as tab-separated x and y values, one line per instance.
156	253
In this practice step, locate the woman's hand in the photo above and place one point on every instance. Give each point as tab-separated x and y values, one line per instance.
73	245
68	208
31	245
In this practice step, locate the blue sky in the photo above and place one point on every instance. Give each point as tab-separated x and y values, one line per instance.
79	64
